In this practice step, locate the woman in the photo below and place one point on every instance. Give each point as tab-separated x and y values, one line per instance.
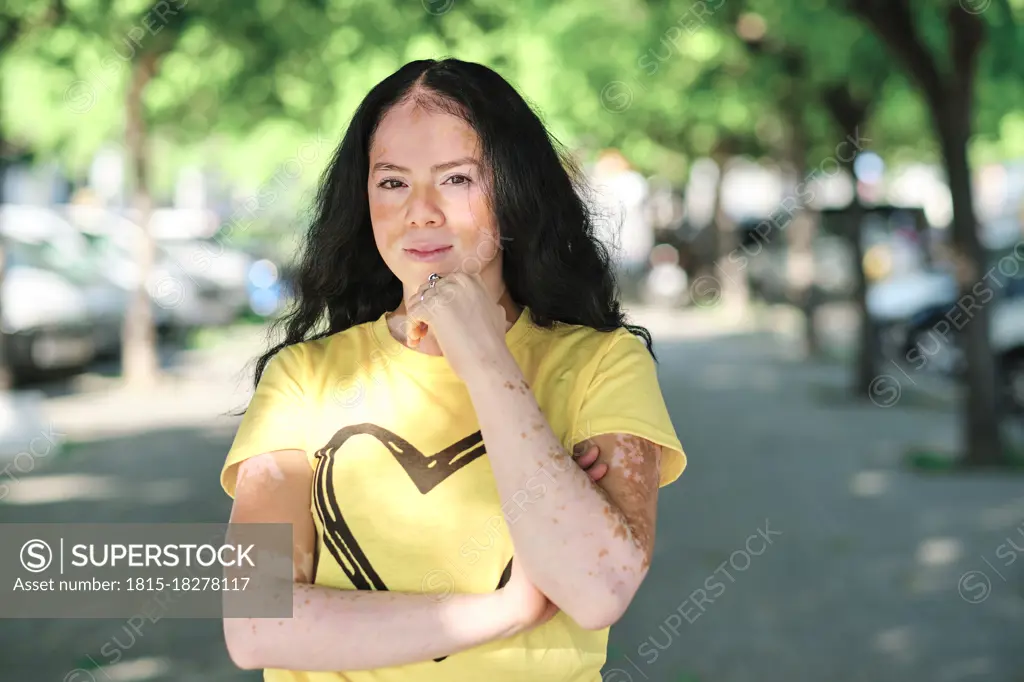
456	340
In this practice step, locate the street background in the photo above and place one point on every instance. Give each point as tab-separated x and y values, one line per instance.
816	208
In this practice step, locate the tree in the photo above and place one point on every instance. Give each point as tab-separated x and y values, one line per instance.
783	78
847	100
786	80
677	93
175	67
140	364
947	79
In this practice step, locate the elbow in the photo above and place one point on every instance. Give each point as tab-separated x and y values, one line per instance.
602	613
593	618
599	614
251	645
240	638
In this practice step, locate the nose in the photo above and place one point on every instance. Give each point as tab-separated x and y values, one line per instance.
422	209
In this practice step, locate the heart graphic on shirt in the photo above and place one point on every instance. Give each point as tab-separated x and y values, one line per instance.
425	471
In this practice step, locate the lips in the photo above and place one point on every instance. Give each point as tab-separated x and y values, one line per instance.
428	253
427	249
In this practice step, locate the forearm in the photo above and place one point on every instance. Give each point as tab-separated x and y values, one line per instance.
338	630
575	545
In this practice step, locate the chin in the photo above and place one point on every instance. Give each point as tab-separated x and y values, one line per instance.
422	268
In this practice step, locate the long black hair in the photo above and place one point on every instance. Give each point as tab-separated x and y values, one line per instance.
552	262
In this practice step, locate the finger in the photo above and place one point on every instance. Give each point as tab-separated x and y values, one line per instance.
420	306
423	292
588	457
597	472
417	331
428	299
581	449
410	324
418	299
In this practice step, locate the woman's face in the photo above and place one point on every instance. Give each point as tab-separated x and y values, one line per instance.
428	198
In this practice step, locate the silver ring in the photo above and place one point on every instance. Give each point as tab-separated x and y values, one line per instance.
433	279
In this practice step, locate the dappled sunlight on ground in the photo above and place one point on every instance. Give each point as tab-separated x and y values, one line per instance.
869	483
44	489
939	551
737	377
68	488
138	670
862	582
795	546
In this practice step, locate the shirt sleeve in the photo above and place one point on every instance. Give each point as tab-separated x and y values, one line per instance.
624	396
275	418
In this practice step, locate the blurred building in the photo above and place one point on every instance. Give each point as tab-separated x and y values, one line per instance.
624	223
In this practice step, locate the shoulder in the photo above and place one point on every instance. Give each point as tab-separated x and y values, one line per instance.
585	345
357	339
353	343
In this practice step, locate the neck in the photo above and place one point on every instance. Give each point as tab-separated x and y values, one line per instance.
512	309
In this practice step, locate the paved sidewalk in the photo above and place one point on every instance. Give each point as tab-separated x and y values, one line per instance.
794	548
862	581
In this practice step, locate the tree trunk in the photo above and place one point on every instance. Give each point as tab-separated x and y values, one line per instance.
802	227
849	115
800	243
140	363
729	270
800	277
983	407
869	346
950	96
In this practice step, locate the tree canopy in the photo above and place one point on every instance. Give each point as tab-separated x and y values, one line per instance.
667	81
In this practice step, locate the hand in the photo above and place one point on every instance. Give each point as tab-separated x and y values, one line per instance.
586	457
528	606
462	317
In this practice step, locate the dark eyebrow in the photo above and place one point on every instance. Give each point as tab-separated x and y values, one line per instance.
464	161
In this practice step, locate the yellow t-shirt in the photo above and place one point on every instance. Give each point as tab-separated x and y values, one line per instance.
404	497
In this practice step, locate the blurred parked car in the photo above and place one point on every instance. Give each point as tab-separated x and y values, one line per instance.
201	282
1008	345
113	240
912	308
897	304
1007	339
44	318
52	243
926	316
193	282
